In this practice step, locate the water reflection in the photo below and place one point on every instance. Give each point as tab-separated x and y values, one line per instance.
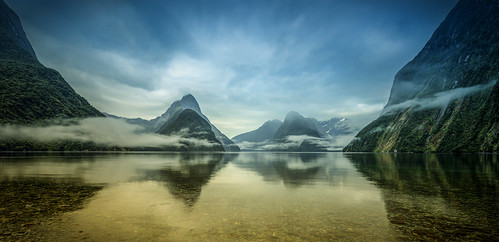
429	196
190	197
296	169
271	196
186	178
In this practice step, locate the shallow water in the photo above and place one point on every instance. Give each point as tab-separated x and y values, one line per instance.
269	196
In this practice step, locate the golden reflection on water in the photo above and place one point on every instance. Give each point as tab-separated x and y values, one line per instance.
260	196
235	203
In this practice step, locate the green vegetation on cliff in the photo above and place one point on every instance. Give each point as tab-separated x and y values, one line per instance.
30	92
446	98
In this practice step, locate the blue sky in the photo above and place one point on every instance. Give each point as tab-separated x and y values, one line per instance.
245	61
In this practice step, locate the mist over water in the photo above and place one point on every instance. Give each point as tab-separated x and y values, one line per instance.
332	143
102	131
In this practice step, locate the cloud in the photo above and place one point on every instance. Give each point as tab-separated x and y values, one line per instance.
269	145
294	142
440	99
101	131
133	58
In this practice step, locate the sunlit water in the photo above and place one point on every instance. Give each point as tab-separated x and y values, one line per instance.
271	196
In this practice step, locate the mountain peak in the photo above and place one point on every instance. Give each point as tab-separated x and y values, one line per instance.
188	101
296	124
172	114
48	95
15	44
273	122
293	115
188	98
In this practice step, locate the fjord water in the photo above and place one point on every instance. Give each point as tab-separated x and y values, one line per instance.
269	196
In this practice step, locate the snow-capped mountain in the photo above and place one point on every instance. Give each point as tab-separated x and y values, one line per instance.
336	127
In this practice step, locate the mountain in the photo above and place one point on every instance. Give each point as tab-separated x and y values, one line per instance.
188	102
30	92
136	121
184	117
336	127
189	124
330	128
295	124
310	129
298	133
14	44
266	132
446	99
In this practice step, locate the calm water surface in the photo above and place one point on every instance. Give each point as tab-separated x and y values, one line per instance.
271	196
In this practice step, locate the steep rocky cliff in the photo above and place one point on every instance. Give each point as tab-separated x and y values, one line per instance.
446	99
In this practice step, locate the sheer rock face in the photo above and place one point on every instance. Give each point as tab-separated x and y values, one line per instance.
30	92
446	98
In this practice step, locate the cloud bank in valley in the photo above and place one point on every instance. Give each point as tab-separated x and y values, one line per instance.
294	141
101	131
441	99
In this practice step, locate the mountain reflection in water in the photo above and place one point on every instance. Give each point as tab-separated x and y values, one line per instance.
294	169
268	196
434	196
186	178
